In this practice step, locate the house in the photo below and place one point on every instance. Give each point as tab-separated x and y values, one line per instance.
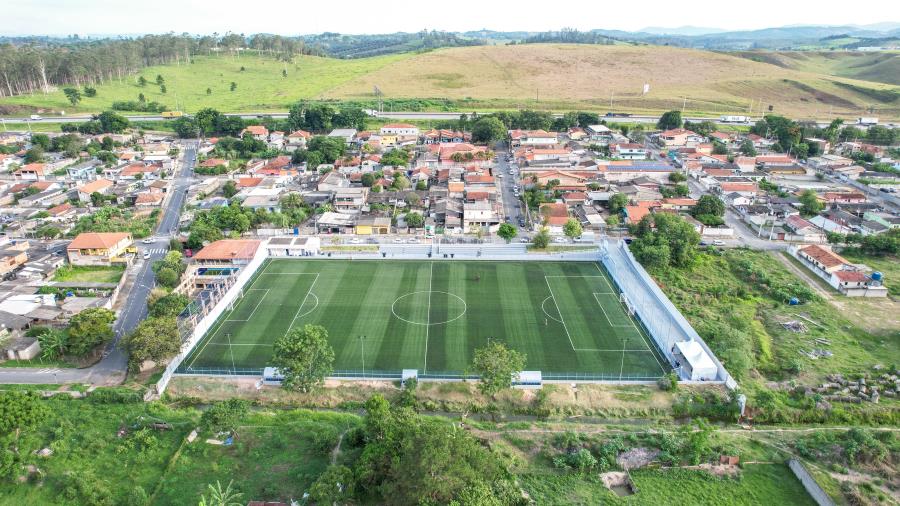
845	197
748	189
258	132
843	276
838	221
803	230
829	161
148	199
350	200
849	172
400	129
628	151
226	256
335	223
347	134
61	212
635	213
480	214
373	225
678	137
11	258
100	248
101	186
576	133
760	142
30	172
298	139
82	171
531	138
435	136
555	215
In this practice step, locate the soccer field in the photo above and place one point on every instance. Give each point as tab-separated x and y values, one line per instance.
431	316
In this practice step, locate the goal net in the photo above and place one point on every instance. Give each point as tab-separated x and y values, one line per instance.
236	299
626	303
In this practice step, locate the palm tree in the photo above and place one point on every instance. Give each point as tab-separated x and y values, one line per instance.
291	201
220	497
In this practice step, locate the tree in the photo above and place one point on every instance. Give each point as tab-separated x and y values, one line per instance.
73	95
488	129
171	304
34	155
572	228
153	339
810	205
617	202
208	120
224	416
542	239
304	357
747	148
167	277
669	120
414	219
368	179
142	81
709	205
395	157
400	182
677	177
163	89
19	412
110	122
507	231
421	185
283	72
88	329
664	239
159	80
497	366
209	91
221	497
229	189
233	86
53	343
186	127
334	486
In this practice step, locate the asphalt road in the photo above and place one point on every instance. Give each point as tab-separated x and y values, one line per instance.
399	115
112	368
512	206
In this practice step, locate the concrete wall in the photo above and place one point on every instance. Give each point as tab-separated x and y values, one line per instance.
809	483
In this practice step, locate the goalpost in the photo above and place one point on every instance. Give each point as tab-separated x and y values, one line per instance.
238	297
626	302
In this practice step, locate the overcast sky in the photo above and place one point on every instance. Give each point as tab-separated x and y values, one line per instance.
293	17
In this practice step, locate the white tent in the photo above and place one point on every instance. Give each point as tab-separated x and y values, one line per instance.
700	365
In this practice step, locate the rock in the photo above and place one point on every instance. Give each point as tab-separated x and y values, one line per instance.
878	367
823	405
44	452
875	397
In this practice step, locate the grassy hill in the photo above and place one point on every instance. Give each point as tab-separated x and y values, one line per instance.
882	67
549	76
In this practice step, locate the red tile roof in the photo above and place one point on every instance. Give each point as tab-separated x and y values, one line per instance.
97	240
229	249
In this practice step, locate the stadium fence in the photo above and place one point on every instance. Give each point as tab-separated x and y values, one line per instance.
656	313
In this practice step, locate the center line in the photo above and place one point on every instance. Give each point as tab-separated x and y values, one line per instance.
428	318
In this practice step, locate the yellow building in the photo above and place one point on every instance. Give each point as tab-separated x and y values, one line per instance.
373	226
100	248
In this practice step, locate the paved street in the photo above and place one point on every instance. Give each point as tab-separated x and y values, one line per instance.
112	368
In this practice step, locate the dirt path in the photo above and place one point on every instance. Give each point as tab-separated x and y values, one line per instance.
810	279
337	449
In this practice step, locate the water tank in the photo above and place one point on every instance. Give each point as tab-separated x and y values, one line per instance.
794	301
876	276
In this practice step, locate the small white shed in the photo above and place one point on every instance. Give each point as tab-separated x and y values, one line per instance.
698	364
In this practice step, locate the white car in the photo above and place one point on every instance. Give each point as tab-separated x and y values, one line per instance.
146	255
398	241
718	242
147	241
414	240
559	240
355	240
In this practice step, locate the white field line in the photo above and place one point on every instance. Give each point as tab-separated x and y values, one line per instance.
428	318
561	319
611	324
304	300
231	351
241	344
631	319
255	308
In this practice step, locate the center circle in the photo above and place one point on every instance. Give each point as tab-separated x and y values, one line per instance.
416	307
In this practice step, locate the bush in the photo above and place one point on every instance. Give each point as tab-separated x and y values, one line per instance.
115	396
669	382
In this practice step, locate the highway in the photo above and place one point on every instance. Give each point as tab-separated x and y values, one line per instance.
398	115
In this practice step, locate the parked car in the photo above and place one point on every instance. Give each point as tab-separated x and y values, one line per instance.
399	241
147	240
355	240
718	242
146	255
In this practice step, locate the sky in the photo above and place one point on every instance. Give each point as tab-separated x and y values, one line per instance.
296	17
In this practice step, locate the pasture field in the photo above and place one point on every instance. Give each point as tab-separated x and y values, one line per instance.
540	76
431	315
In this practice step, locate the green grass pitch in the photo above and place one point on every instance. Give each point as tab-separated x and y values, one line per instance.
431	316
